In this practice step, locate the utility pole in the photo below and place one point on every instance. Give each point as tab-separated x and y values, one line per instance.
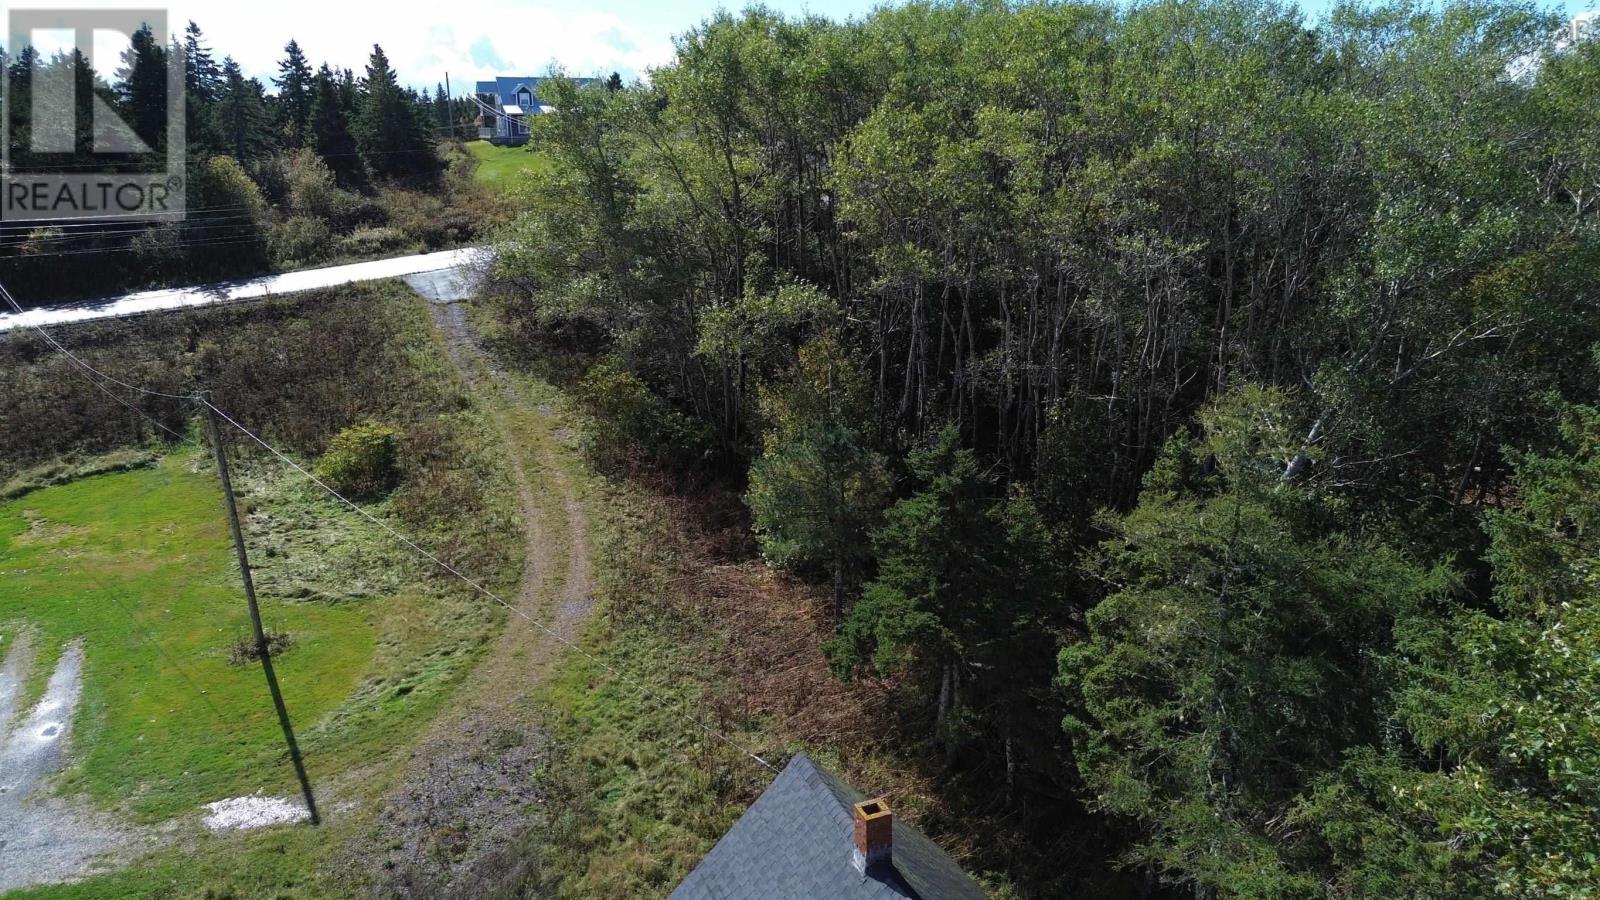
449	106
255	612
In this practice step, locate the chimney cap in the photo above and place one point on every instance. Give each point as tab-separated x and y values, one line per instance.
876	808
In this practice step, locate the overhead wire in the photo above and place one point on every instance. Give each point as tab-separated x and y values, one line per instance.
95	376
179	245
90	372
512	608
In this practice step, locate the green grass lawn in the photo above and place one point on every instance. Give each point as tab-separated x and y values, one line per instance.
129	552
138	565
505	167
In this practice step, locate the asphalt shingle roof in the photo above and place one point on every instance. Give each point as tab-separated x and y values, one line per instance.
505	87
796	842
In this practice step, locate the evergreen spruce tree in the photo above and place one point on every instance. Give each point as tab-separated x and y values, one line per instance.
386	128
1489	784
242	114
349	94
142	86
330	130
817	487
201	74
961	590
294	97
1230	667
441	108
203	81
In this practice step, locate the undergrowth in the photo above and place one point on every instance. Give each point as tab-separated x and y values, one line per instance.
698	658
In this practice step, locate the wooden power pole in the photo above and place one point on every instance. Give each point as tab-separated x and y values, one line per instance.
262	649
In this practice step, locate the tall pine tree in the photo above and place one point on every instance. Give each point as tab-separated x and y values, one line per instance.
142	86
330	130
242	114
294	96
387	130
201	74
203	81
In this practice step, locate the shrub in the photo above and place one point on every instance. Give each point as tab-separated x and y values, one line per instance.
224	232
362	460
299	239
629	418
421	216
271	175
370	241
313	191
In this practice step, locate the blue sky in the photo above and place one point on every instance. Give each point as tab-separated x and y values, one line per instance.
472	39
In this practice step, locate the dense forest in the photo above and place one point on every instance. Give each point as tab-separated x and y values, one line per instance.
326	165
1192	408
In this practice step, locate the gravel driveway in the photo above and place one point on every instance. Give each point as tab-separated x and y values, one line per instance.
43	839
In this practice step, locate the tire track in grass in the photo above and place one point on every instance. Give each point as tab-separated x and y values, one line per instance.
469	794
14	662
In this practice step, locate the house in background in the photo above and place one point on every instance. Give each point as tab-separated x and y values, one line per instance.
507	103
810	836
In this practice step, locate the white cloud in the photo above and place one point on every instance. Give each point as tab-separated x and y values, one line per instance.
469	39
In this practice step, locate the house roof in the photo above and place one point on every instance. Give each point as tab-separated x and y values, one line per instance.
505	87
796	841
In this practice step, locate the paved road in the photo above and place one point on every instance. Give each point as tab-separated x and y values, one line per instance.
203	295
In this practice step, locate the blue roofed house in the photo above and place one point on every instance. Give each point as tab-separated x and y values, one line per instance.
507	103
810	836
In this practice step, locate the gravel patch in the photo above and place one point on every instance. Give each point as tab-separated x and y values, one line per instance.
33	745
245	813
45	839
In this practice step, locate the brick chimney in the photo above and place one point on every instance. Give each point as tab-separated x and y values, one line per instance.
874	834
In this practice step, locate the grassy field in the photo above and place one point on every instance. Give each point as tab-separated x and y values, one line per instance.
375	657
129	551
138	564
505	167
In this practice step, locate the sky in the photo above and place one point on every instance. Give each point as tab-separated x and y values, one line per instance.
471	39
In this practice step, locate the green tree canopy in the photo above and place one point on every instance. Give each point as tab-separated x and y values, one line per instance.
1232	662
817	486
387	130
294	100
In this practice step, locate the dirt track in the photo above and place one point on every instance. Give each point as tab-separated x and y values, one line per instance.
468	794
43	839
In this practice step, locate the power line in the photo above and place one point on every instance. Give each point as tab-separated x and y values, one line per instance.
226	223
118	220
96	376
569	644
180	245
413	545
88	168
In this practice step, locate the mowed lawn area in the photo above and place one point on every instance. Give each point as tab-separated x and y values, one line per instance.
505	167
138	565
